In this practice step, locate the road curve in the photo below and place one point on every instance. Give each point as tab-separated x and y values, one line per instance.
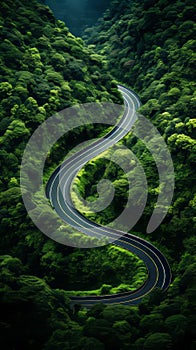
159	274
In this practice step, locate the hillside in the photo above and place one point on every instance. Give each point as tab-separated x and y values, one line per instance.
45	69
148	46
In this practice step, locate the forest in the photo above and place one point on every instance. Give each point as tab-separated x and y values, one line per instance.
147	46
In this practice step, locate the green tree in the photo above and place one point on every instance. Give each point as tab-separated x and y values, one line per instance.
158	340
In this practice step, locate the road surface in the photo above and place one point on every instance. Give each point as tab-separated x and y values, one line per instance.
159	274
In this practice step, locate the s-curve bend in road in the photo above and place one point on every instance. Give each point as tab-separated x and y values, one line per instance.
159	274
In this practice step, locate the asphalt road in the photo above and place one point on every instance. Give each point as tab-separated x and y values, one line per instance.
58	190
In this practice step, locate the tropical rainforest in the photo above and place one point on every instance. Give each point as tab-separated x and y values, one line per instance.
147	45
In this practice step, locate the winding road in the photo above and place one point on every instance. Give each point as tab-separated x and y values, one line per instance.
58	191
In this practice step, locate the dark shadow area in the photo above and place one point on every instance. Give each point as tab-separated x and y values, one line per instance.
78	14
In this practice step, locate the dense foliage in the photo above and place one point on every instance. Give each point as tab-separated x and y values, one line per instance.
149	46
152	53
